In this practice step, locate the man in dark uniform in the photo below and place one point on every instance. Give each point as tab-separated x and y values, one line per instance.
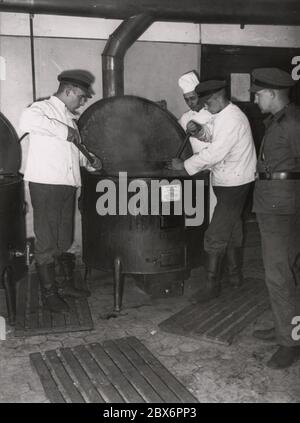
277	206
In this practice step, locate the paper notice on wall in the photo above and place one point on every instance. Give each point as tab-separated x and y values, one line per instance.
240	86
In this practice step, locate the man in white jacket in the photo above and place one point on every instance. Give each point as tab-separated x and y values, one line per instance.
231	158
53	171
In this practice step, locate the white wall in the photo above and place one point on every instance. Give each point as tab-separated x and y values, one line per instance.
251	35
95	28
152	65
67	42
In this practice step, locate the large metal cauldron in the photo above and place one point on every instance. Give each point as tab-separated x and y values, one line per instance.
12	221
135	136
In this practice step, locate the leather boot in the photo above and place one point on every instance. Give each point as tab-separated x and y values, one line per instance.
265	334
65	284
213	263
50	297
234	266
284	357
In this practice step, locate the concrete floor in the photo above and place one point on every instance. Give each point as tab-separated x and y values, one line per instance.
212	372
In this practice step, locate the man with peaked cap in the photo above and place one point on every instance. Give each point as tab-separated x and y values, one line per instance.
188	82
231	158
53	171
277	206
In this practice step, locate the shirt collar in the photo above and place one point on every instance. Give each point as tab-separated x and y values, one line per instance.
278	116
61	105
223	110
58	103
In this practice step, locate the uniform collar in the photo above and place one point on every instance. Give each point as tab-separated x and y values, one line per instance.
278	116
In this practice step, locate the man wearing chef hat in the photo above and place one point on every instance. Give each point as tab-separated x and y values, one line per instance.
188	82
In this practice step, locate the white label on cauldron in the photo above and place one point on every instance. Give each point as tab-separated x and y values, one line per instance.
170	193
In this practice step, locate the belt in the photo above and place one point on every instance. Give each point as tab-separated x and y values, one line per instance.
277	175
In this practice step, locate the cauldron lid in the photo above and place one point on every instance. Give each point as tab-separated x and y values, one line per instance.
128	130
10	151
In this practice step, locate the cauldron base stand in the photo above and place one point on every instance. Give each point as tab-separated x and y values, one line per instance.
118	278
157	285
162	285
118	284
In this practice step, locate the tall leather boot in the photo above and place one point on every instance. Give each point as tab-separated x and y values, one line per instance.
50	297
65	285
234	266
213	263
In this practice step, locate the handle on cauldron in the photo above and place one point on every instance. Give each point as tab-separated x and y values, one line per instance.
85	152
183	145
82	147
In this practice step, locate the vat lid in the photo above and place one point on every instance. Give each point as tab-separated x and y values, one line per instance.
10	151
131	133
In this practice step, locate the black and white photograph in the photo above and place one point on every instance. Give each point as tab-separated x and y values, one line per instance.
149	205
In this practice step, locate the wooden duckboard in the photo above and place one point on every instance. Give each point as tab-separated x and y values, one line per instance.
221	319
33	319
117	371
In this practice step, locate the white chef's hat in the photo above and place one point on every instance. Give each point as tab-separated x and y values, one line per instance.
188	82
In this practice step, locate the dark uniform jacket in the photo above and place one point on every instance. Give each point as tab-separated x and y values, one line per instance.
279	152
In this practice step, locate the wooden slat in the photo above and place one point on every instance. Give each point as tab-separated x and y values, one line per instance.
229	313
182	393
186	317
63	377
44	315
219	307
97	376
72	318
84	312
223	322
115	375
154	380
58	320
21	302
82	379
32	312
130	372
48	382
226	313
250	316
46	322
41	321
121	371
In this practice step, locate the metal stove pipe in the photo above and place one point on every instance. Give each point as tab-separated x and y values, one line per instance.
113	54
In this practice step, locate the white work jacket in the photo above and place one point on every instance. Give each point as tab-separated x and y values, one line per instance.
51	159
231	155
